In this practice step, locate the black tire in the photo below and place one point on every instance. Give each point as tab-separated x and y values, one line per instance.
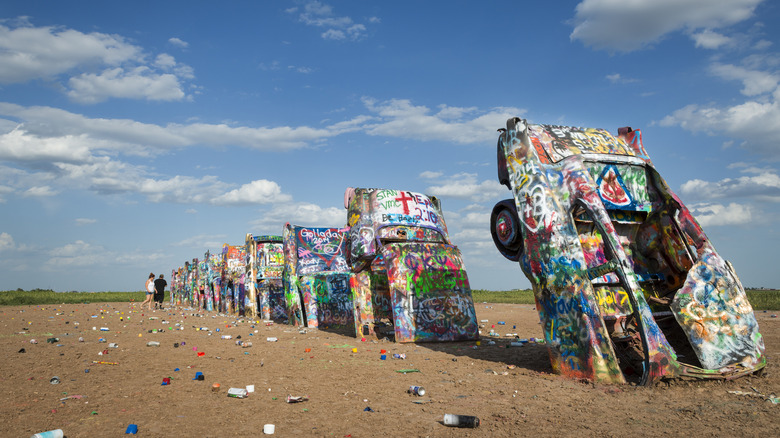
505	229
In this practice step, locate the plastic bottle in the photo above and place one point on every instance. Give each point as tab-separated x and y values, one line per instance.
56	433
461	421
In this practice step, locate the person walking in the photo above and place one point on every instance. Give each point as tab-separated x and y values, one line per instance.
149	291
159	292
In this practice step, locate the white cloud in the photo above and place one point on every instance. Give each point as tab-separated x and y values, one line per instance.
709	39
304	214
754	82
39	192
712	215
138	83
625	26
85	221
17	145
104	66
617	78
203	241
431	175
178	42
256	192
28	52
6	242
399	118
764	186
338	28
466	186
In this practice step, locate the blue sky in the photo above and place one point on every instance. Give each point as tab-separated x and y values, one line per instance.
137	135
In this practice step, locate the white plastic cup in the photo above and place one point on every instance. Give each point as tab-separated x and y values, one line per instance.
269	429
250	388
56	433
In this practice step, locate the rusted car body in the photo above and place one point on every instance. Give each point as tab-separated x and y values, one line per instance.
406	270
627	285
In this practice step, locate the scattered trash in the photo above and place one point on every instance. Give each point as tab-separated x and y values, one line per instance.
770	398
269	429
237	393
226	337
215	387
461	421
399	356
105	363
383	357
77	397
166	381
152	344
201	354
416	390
297	399
132	429
199	376
54	380
271	339
408	370
22	351
368	409
33	341
52	340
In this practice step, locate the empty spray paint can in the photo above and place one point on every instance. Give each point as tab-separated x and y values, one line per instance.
461	420
416	390
227	337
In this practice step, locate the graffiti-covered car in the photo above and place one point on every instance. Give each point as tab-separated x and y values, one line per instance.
627	285
406	269
266	265
316	278
233	279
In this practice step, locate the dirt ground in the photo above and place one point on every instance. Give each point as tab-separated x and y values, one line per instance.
350	394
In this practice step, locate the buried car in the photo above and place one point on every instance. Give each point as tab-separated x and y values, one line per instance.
627	285
407	273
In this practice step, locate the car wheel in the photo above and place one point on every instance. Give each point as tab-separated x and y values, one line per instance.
505	229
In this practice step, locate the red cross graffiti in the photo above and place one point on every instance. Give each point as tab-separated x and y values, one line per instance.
404	198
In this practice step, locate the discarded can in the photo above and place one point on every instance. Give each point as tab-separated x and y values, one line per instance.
101	340
226	337
54	380
416	390
132	429
56	433
461	421
399	356
166	381
33	341
271	339
215	387
103	329
152	344
113	345
237	392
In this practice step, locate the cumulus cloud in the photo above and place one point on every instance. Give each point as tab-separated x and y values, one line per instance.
304	214
400	118
466	186
256	192
754	82
101	66
318	14
6	242
764	186
709	39
624	26
178	42
138	83
712	215
39	192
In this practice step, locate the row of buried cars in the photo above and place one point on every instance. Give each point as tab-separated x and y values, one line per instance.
627	285
391	272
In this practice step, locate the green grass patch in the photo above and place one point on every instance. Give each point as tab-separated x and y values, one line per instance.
47	296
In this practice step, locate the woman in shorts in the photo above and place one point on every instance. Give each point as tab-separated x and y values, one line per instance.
149	291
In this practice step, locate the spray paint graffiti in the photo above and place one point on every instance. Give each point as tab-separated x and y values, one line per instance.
234	260
406	269
317	278
265	269
625	280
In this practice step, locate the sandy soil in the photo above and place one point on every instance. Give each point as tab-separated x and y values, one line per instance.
511	390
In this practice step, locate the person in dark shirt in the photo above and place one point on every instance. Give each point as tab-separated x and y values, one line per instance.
159	292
